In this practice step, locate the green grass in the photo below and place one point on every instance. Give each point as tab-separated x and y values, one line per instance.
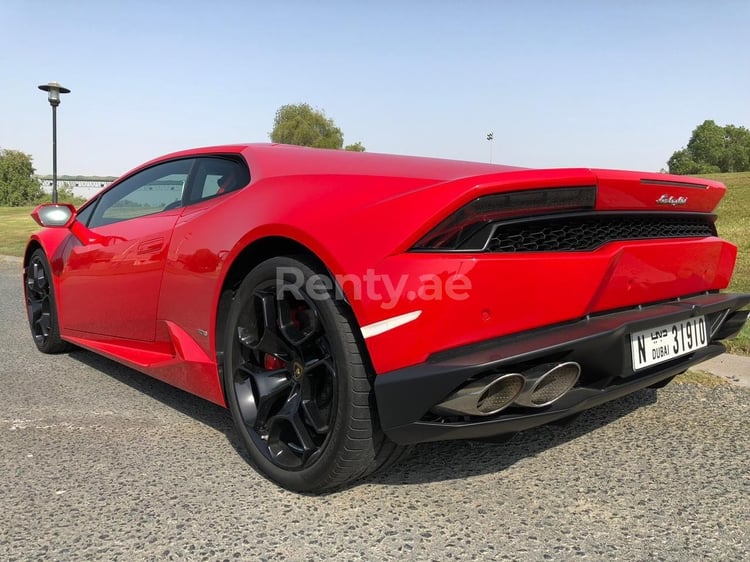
702	378
16	225
733	224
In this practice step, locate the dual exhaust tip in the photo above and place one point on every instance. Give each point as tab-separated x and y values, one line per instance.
535	388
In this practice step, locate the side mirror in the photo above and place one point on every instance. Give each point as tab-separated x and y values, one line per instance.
54	215
63	215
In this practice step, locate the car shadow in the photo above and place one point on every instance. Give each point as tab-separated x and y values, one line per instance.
201	410
453	460
427	462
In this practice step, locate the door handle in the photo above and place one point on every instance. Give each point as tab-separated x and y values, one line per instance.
151	246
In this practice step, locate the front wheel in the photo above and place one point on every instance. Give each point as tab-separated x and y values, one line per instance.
41	306
296	384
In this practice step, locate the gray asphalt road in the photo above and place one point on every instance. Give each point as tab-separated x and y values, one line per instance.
98	462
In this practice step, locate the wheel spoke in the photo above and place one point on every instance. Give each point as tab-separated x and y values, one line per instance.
248	353
35	310
40	278
289	440
316	395
298	323
271	383
266	338
41	281
314	417
315	363
271	341
262	390
270	387
306	445
246	401
45	324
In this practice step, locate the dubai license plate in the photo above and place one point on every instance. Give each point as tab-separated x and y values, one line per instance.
657	345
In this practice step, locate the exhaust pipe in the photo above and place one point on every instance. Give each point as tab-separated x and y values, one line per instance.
483	397
545	386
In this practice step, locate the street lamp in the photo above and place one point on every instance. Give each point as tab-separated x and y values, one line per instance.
490	138
54	90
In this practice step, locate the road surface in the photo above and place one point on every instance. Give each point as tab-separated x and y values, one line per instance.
98	462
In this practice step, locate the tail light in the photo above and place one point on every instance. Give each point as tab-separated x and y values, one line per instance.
469	227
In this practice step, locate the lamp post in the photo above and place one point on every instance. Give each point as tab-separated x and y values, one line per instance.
490	138
54	90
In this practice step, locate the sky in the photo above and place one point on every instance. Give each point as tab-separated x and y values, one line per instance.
608	84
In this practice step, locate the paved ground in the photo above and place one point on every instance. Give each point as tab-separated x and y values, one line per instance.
734	368
100	462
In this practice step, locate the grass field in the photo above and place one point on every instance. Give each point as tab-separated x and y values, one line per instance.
733	224
15	226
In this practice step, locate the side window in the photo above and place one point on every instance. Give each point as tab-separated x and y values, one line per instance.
151	191
217	175
84	215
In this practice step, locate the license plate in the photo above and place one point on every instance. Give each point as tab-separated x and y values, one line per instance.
656	345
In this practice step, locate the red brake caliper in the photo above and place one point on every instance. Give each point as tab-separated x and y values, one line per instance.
272	363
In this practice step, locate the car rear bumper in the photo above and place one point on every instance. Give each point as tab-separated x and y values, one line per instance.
599	344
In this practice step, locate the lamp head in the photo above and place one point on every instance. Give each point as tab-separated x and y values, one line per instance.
54	89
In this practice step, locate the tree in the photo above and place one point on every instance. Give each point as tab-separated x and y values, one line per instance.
356	147
18	186
682	162
302	125
712	149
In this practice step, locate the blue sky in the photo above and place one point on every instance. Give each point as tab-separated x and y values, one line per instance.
580	83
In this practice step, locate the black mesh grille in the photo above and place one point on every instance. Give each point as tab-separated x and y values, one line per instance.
581	233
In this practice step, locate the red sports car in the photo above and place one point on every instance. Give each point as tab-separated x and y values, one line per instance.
346	305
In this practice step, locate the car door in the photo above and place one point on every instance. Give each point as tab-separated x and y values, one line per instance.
111	284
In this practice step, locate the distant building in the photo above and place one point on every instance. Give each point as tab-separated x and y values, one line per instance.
82	186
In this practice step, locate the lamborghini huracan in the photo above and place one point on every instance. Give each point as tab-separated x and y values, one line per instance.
344	305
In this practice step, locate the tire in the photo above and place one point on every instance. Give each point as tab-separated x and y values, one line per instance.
299	392
41	305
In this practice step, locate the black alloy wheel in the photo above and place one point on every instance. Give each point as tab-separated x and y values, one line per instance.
41	306
284	384
298	389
